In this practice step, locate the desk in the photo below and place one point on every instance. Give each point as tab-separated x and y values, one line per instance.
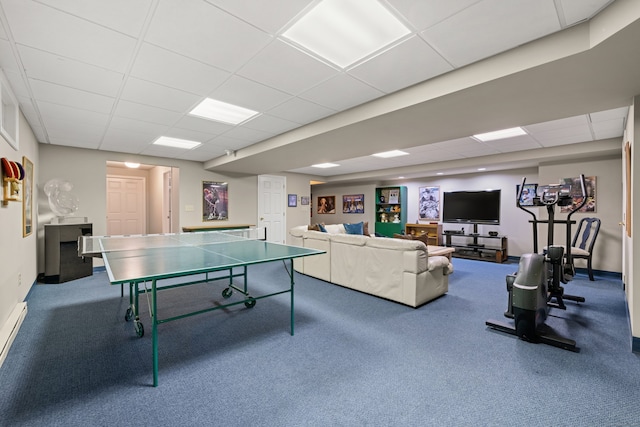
137	260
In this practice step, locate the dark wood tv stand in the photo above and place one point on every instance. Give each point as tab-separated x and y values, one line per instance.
477	246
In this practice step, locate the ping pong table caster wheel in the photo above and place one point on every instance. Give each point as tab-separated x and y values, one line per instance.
139	329
250	303
128	315
227	292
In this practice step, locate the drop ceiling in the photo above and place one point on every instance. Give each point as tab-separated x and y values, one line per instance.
116	75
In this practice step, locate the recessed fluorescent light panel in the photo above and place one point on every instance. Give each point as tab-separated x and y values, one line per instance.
325	165
219	111
176	143
500	134
132	165
392	153
345	31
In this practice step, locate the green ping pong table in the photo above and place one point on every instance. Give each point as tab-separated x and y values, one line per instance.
147	262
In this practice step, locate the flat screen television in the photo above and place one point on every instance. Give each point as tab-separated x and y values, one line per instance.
471	207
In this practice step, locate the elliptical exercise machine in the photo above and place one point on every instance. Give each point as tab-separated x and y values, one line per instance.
537	284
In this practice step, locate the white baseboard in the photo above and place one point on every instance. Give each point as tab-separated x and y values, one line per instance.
10	329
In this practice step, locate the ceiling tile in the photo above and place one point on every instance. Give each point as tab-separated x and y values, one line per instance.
45	28
109	14
146	113
201	31
491	26
51	112
148	93
40	65
300	111
578	10
409	63
270	124
608	129
164	67
138	126
125	141
424	14
56	94
282	66
249	94
202	125
341	92
269	16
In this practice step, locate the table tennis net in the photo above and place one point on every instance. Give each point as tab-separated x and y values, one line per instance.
101	244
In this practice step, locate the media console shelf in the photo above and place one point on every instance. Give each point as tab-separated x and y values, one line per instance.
477	246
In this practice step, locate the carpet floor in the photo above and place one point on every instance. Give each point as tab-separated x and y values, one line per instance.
355	360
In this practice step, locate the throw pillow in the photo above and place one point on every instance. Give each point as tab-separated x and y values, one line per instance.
313	227
357	228
321	227
365	229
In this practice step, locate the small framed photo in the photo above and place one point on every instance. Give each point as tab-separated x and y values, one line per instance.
293	200
304	200
528	193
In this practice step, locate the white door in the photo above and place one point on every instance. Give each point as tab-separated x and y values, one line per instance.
126	206
271	206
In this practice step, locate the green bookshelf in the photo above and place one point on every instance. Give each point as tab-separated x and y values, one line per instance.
391	210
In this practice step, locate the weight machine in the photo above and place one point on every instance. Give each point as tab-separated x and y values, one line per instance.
536	287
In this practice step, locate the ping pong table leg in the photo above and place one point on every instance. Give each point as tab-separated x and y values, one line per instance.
154	332
292	311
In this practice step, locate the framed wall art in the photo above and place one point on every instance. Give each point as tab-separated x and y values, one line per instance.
353	203
215	201
304	200
429	203
576	193
293	200
326	204
27	197
528	193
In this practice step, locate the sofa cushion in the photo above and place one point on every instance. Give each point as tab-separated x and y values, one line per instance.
350	239
396	244
357	228
335	228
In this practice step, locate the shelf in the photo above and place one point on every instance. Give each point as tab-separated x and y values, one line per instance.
391	212
433	232
471	249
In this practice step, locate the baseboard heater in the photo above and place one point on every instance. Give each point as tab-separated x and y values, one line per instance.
10	329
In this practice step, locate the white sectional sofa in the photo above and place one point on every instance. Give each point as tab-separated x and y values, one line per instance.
395	269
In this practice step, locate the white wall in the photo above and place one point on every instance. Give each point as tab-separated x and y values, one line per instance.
18	263
514	223
86	170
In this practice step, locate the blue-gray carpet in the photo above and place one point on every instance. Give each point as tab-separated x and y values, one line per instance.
354	360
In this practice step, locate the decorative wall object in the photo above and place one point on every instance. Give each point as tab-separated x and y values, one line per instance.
215	201
353	203
293	200
528	193
429	203
12	176
62	201
576	193
326	204
27	197
304	200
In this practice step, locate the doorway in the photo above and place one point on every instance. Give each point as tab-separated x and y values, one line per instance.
271	206
142	200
